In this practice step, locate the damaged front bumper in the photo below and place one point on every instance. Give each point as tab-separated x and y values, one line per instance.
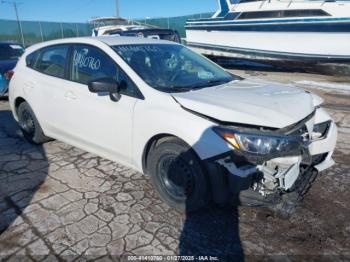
279	183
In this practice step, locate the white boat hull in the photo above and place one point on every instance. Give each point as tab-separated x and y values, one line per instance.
298	30
275	45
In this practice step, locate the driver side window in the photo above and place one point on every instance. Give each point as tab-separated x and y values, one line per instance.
90	63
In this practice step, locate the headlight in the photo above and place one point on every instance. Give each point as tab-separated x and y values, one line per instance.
261	144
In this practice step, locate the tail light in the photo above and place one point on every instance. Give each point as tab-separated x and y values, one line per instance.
9	75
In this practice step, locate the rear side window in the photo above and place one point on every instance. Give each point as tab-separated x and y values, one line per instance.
31	59
90	63
52	61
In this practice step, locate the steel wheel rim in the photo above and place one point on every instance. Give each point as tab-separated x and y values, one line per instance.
27	123
176	177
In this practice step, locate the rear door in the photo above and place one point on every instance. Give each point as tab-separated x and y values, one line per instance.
93	121
45	87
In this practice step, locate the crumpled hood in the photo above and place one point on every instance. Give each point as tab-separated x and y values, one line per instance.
251	102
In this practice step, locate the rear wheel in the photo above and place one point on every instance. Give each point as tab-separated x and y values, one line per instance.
177	175
30	126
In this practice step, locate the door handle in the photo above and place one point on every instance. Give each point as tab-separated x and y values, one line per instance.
71	96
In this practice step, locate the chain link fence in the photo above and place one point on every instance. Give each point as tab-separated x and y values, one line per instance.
35	32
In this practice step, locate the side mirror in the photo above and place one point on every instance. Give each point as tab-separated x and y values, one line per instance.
106	85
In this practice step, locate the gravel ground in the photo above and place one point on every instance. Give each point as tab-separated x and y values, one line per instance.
60	203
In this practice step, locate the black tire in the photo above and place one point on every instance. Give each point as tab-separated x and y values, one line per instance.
177	176
30	126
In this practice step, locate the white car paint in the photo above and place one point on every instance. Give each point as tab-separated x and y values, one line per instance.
53	116
120	131
253	102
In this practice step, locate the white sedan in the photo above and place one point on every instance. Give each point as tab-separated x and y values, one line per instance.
201	133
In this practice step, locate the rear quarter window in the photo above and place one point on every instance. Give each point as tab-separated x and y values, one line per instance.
52	60
31	59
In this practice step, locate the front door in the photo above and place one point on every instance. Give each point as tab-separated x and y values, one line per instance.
94	121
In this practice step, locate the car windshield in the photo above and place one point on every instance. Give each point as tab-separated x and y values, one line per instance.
172	68
10	51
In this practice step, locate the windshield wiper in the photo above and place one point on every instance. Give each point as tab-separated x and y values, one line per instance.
198	86
179	89
218	82
175	89
209	84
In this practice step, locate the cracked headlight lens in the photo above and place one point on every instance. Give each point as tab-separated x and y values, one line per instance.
261	144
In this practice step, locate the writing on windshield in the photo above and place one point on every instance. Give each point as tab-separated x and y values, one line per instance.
171	67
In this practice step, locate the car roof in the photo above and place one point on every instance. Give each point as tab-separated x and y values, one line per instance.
109	40
109	19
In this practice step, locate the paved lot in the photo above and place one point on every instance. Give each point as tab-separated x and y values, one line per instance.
58	202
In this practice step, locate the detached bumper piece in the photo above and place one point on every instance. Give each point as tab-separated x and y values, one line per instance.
233	184
283	204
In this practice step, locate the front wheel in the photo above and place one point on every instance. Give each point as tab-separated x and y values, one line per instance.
177	176
30	126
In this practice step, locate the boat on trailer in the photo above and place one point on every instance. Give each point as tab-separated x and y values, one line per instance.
289	31
117	26
105	26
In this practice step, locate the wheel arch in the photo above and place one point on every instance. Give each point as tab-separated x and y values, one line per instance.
156	139
19	100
